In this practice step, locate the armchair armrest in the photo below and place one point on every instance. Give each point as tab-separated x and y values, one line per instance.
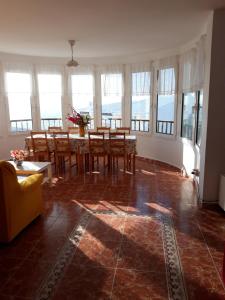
31	182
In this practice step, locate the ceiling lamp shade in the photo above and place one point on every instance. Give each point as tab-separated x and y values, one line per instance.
72	62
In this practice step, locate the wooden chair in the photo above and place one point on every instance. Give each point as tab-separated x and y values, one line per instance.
103	130
63	151
72	129
29	145
54	128
97	149
117	149
126	130
40	146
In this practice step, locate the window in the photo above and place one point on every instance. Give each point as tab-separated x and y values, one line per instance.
111	86
50	93
18	86
188	115
82	95
166	101
140	101
199	118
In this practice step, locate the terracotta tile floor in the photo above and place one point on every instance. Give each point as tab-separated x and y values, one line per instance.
118	237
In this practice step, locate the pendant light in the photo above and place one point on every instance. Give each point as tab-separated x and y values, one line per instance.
72	62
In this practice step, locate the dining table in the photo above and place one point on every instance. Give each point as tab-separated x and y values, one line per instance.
80	145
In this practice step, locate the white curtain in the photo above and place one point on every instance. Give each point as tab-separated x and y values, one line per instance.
187	67
192	67
24	68
83	84
200	63
49	69
141	79
167	81
141	83
112	84
111	69
167	62
17	67
82	70
112	79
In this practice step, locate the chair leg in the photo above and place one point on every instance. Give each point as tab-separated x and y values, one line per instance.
70	165
134	163
109	162
97	163
104	165
57	165
86	162
113	164
90	163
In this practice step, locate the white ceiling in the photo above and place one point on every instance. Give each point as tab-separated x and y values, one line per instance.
101	27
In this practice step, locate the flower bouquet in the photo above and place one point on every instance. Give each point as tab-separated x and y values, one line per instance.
78	119
18	156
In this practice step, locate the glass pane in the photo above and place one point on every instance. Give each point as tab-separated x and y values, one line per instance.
165	114
199	118
140	101
19	94
187	115
50	94
111	85
82	95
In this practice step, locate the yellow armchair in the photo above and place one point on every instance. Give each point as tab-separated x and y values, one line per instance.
20	203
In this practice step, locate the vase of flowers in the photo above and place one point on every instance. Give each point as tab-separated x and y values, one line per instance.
82	120
18	156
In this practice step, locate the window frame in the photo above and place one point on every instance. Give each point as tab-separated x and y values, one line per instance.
9	128
149	120
122	119
59	120
92	124
155	106
199	93
174	121
194	116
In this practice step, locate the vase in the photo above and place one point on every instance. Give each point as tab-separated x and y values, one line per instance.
81	131
19	163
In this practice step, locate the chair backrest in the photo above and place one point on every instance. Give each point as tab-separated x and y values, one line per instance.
62	142
96	142
54	128
35	134
39	141
72	129
61	134
103	129
126	130
117	144
40	133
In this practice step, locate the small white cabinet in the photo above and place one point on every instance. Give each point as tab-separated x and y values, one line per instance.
222	192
